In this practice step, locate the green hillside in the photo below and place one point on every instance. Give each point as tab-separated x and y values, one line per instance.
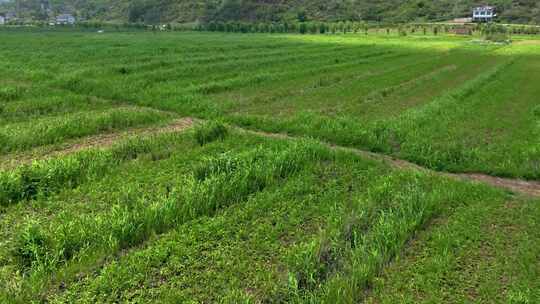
155	11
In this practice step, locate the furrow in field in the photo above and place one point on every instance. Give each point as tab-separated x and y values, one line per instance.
267	75
218	59
199	54
379	72
194	67
348	85
191	77
414	135
174	91
401	220
224	56
378	95
311	80
291	73
228	69
395	100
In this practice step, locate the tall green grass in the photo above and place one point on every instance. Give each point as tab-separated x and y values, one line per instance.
11	93
306	226
214	185
209	132
331	255
43	178
22	136
36	107
339	265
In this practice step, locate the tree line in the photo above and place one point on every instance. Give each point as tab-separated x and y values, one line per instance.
345	27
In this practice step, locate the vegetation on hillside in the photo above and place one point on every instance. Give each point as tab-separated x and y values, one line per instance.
153	12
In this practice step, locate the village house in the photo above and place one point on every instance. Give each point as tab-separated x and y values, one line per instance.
9	16
484	14
2	20
65	19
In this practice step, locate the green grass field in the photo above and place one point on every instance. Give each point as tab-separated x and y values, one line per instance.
108	196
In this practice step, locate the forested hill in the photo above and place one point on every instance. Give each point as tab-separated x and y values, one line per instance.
160	11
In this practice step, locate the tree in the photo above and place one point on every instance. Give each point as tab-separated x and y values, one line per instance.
136	11
302	29
301	16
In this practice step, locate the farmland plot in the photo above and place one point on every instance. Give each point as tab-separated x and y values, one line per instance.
117	185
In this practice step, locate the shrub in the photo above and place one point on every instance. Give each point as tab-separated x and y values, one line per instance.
498	37
209	132
496	33
402	32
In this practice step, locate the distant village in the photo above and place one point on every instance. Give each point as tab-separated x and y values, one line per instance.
49	16
61	19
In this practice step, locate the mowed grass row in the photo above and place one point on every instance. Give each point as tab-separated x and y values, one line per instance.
296	222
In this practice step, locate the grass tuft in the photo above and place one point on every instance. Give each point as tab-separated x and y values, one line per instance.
210	131
11	93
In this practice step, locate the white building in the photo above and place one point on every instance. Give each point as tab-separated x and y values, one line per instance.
65	19
484	14
2	20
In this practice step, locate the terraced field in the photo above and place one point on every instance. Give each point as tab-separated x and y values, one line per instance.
252	168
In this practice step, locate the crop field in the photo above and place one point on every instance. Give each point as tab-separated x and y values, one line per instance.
143	167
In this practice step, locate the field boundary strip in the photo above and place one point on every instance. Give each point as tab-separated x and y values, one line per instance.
99	141
528	188
524	187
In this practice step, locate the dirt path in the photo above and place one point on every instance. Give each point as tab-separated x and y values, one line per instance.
528	188
531	188
99	141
